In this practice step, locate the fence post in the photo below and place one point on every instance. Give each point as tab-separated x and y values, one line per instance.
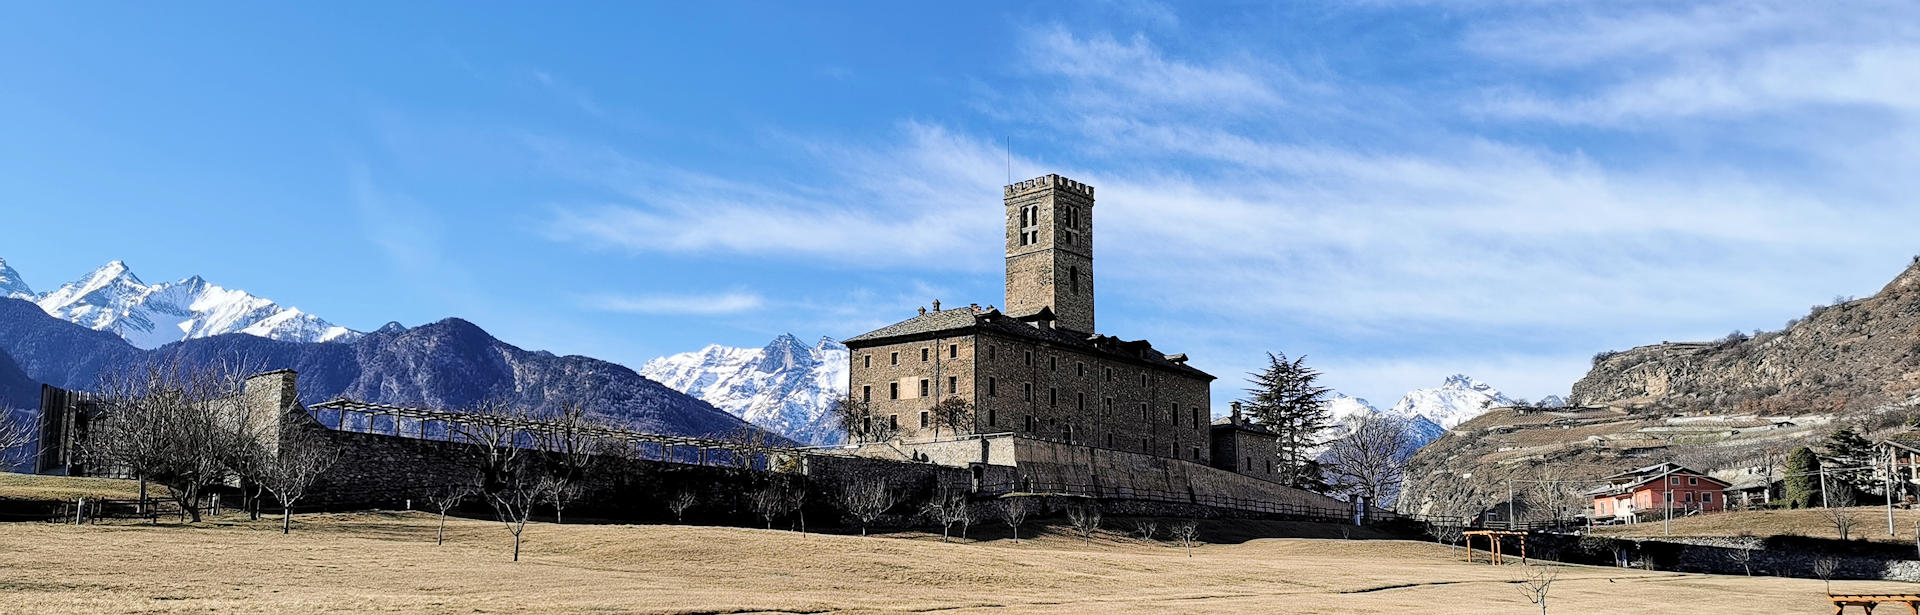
79	509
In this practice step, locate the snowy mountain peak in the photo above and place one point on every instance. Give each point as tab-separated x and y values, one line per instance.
113	299
1458	399
10	283
786	385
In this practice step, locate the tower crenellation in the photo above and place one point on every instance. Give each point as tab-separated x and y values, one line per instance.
1050	250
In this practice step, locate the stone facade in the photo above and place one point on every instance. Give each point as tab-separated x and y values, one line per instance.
1039	370
1050	250
1244	447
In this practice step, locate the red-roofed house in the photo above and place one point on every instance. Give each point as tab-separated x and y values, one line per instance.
1630	493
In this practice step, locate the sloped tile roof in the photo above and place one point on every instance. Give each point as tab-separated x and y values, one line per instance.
966	320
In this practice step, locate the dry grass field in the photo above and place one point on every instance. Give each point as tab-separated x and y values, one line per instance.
387	562
33	487
1872	525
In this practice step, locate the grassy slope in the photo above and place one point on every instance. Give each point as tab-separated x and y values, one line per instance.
34	487
375	562
1872	524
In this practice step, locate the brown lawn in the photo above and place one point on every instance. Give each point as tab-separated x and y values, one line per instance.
1871	524
387	562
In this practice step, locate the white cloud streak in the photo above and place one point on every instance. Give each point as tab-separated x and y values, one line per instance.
677	304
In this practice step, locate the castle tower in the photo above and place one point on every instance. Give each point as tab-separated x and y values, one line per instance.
1050	250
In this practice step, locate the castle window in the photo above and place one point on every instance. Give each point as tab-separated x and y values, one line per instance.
1269	466
1196	453
893	390
993	418
1109	374
895	358
923	420
923	387
1173	412
893	422
1196	418
990	352
953	351
1029	358
1073	273
1079	369
1026	390
1053	396
953	385
866	361
924	354
866	393
1031	424
1249	465
1081	402
1143	380
993	386
1143	411
1109	407
1109	439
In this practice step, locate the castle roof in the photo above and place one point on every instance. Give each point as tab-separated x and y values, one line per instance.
964	321
1227	422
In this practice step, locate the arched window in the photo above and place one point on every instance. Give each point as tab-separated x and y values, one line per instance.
1073	279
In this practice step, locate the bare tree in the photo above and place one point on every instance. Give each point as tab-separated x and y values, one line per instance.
1185	531
1740	556
856	417
746	444
1145	528
955	413
183	427
300	457
445	498
1014	512
510	478
1085	519
1840	511
1445	531
680	502
866	498
769	501
947	508
1371	459
574	440
15	434
1824	566
796	493
1536	580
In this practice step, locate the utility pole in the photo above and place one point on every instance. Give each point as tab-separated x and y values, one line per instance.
1888	491
1510	503
1823	486
1667	526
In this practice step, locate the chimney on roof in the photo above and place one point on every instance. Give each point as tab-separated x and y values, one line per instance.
975	307
1236	412
923	310
936	305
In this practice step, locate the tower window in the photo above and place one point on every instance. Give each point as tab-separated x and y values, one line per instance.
894	358
1053	396
924	354
923	387
1080	401
993	386
893	390
953	351
923	420
993	418
1109	374
1029	358
1079	369
1053	363
953	385
990	352
866	361
866	393
893	422
1073	279
1026	390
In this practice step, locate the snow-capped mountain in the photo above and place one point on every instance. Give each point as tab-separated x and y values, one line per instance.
1455	401
786	386
1346	409
11	285
113	299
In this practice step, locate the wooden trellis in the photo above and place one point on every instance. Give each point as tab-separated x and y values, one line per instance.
1493	544
428	424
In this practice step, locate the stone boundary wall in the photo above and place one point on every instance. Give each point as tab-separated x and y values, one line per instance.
1118	472
1783	556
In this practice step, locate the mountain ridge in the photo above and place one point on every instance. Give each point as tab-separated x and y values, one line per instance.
786	385
112	298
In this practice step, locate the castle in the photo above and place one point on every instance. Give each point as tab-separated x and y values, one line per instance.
1040	371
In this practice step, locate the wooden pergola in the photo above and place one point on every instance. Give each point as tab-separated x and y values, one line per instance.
428	424
1493	544
1867	602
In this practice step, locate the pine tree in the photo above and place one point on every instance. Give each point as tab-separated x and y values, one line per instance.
1286	400
1803	478
1846	448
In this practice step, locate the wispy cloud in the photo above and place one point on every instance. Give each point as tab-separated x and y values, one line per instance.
677	304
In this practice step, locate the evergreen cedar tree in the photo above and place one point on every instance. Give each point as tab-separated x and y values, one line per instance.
1846	448
1286	398
1803	478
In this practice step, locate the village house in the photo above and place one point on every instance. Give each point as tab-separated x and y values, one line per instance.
1653	489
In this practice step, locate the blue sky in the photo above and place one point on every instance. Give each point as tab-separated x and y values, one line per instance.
1399	190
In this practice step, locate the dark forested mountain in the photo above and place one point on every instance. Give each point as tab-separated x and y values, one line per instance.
17	390
449	364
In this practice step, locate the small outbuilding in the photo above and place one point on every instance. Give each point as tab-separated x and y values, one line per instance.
1653	489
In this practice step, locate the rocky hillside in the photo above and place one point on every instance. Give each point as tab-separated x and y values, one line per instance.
448	364
1732	407
1851	356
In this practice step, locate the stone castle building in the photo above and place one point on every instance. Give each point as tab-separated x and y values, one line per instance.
1039	369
